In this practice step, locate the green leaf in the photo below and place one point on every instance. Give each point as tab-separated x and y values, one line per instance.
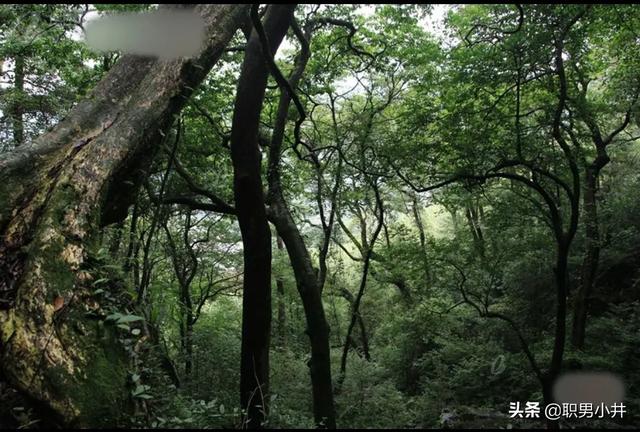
100	281
129	318
113	317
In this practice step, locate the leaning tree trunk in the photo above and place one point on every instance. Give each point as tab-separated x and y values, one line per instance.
317	326
55	194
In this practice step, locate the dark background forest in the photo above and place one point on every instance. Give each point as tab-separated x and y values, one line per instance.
353	216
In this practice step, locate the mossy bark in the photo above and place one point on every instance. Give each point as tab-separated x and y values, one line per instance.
55	194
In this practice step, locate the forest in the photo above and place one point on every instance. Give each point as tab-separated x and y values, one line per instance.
323	216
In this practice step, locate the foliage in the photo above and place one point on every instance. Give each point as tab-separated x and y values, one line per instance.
453	134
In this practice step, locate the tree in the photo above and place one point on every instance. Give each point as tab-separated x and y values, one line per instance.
555	182
590	120
81	176
43	67
445	190
252	216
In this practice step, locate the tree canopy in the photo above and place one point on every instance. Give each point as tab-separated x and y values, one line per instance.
352	216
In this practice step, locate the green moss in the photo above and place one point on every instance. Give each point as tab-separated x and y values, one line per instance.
96	393
57	272
7	327
101	397
11	186
49	251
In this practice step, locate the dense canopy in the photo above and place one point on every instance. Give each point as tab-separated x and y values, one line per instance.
352	216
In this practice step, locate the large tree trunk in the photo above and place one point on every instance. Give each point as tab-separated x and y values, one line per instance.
55	194
252	216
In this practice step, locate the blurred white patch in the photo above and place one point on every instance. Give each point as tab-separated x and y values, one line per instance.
163	34
589	387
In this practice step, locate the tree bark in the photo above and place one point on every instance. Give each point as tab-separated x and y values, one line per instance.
317	326
252	217
57	192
